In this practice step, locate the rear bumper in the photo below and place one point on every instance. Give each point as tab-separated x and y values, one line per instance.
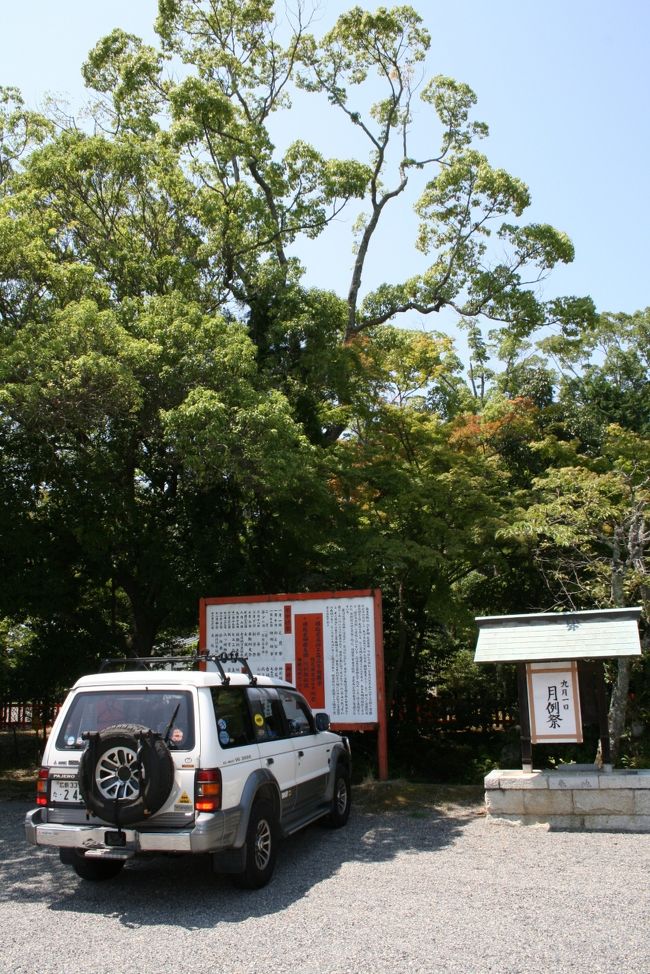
209	833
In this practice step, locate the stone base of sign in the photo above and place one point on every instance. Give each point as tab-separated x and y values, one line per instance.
579	797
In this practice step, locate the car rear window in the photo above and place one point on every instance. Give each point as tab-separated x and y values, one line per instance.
168	712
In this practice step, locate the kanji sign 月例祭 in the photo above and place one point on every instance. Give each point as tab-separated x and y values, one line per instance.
554	703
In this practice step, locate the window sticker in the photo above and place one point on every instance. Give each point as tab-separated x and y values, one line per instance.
259	720
224	737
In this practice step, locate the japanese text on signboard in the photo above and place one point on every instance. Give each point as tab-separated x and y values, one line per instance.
554	702
327	646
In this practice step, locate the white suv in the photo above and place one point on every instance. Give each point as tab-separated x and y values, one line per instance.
161	761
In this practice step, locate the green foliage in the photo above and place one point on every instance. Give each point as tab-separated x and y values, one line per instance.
21	131
180	415
613	387
588	522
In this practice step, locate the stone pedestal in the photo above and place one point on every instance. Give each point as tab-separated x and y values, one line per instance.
571	797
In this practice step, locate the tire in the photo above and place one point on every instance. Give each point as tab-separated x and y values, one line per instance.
126	774
261	847
341	800
95	870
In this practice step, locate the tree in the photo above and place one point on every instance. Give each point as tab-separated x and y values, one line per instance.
588	524
606	377
142	447
179	412
258	200
422	512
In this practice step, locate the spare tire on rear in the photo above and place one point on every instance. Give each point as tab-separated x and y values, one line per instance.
126	773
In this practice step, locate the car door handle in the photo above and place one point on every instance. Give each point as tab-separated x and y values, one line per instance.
269	760
301	754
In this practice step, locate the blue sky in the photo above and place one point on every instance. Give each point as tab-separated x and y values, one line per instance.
563	85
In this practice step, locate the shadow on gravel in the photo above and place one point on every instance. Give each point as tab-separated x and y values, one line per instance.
183	891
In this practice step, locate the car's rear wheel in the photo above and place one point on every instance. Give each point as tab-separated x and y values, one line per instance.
261	847
341	800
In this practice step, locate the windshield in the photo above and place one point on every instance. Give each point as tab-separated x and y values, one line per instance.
156	709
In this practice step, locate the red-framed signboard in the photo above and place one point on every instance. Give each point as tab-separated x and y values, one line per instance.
328	644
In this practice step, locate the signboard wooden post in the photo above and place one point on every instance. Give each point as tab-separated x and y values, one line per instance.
328	644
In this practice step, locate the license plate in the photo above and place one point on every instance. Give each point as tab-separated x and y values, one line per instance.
62	790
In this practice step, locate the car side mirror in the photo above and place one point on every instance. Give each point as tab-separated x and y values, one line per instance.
322	722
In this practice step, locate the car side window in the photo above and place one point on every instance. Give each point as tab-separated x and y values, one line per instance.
297	714
268	722
233	718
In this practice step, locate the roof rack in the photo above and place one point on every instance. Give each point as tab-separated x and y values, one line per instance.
189	661
144	662
221	658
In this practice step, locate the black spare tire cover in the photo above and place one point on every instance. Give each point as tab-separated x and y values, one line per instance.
125	773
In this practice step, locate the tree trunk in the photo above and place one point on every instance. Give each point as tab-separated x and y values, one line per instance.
146	619
618	706
620	690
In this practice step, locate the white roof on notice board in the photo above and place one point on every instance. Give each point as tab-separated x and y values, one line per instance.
558	636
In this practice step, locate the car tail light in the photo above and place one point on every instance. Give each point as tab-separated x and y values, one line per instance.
207	790
41	786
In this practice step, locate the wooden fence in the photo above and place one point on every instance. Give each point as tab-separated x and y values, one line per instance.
35	715
39	715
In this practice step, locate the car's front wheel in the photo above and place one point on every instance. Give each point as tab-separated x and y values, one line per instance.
261	847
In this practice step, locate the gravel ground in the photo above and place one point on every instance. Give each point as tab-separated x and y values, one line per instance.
392	892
